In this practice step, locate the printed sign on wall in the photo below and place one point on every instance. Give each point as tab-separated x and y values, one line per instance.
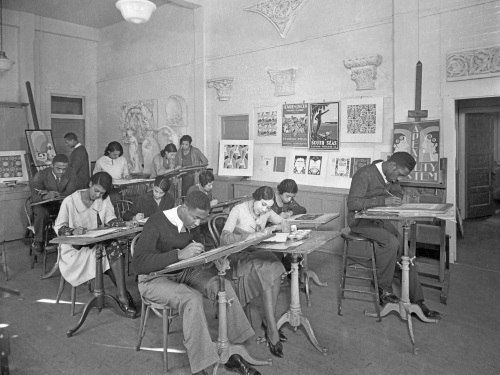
295	125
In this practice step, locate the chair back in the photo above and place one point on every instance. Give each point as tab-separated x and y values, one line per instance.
29	211
121	206
214	223
132	245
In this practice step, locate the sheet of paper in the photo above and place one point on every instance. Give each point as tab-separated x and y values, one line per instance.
278	237
131	181
99	232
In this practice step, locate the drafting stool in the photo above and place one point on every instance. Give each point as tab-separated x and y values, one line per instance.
358	263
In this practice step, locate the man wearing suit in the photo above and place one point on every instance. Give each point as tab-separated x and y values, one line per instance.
53	182
79	159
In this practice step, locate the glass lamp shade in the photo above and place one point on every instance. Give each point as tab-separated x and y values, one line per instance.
136	11
5	63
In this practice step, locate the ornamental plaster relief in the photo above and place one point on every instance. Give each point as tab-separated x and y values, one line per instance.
364	70
284	81
223	86
476	63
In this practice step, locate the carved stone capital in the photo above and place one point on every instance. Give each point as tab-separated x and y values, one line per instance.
364	70
223	86
475	63
284	81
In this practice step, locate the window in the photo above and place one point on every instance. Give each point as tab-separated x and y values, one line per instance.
234	127
67	116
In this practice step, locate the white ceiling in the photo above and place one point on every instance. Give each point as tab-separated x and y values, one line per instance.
92	13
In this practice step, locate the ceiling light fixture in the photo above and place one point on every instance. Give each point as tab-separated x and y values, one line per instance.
136	11
5	63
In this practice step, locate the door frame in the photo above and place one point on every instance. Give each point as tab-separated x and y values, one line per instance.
461	182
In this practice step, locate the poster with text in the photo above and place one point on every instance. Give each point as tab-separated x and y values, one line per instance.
324	126
421	140
299	164
339	166
314	165
358	163
295	125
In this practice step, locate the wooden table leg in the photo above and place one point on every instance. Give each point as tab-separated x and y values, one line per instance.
55	267
305	275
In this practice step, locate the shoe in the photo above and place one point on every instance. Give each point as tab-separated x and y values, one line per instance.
128	310
429	313
237	364
38	248
387	297
276	349
131	302
282	335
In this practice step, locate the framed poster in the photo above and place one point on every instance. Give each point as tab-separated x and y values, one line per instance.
299	164
314	167
236	157
362	120
267	124
324	126
295	125
13	166
421	140
41	146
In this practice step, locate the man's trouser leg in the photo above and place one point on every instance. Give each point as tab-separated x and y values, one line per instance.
41	216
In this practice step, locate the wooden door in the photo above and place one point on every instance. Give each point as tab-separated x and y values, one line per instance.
61	127
479	136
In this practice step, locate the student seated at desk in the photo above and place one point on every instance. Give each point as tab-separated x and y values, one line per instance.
174	235
164	162
189	156
256	272
284	202
378	185
80	212
113	162
158	199
52	182
205	185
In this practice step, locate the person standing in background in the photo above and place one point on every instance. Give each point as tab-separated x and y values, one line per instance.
78	160
188	156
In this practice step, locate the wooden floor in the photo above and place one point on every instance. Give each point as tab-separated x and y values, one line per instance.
466	341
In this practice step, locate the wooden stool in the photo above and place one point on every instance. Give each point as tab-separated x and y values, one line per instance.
167	316
358	263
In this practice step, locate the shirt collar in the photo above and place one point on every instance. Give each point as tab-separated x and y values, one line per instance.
80	206
55	177
174	218
78	145
379	167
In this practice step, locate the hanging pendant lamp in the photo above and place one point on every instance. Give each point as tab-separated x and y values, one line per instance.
136	11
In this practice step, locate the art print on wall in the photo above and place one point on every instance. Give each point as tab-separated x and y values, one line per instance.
358	163
279	164
139	116
295	125
299	164
421	140
13	166
362	120
314	165
324	128
41	146
236	158
267	125
339	166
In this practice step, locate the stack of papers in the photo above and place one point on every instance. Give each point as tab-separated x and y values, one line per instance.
99	232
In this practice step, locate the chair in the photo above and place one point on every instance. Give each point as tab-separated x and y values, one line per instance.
212	226
4	256
358	263
121	206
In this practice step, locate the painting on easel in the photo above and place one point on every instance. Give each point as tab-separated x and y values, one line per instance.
41	146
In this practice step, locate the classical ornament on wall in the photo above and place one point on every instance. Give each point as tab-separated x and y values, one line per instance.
284	81
364	70
176	111
279	12
138	116
223	86
474	63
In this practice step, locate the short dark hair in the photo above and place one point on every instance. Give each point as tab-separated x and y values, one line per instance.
206	177
113	146
168	148
403	159
103	179
197	199
71	137
186	138
288	186
264	192
60	158
163	183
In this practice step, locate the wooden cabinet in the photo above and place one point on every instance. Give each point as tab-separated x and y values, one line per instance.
13	220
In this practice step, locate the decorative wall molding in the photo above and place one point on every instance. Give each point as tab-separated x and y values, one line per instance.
284	81
223	86
279	12
364	70
475	63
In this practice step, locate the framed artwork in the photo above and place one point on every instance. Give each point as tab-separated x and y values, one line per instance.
139	116
295	125
267	124
13	166
299	164
41	146
314	165
362	120
324	126
236	158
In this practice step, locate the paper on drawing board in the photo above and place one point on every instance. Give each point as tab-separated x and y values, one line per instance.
99	232
278	237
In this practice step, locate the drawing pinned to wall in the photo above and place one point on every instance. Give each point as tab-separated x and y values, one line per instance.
358	163
299	164
314	165
41	146
421	140
139	116
267	125
279	164
339	166
236	158
13	166
362	120
295	125
324	129
267	164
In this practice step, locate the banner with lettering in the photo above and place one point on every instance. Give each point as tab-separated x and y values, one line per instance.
421	140
295	125
324	131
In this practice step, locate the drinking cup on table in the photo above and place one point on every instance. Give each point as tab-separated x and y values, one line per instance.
293	228
285	226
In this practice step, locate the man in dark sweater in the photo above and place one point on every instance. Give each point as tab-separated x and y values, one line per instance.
79	159
174	235
377	185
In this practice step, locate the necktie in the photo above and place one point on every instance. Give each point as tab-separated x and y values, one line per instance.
58	180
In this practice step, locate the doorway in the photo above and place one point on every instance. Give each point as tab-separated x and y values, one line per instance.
478	156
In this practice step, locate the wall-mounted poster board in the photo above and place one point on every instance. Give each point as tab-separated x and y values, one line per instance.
41	146
266	124
324	128
236	158
421	140
295	124
362	120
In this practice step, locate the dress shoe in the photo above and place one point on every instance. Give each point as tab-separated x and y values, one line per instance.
276	349
429	313
38	248
130	301
237	364
128	310
282	335
387	297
